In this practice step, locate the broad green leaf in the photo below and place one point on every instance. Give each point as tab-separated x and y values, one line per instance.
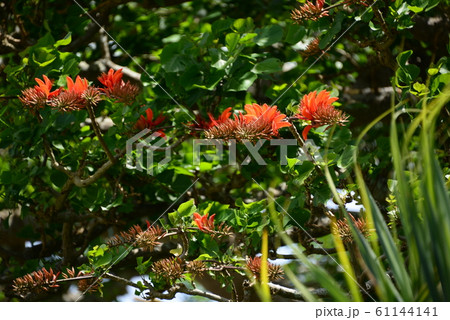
335	29
294	33
243	25
270	65
185	209
231	41
268	35
221	25
241	83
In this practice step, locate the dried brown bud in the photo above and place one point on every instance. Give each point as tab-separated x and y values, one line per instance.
170	269
84	285
196	267
254	266
146	239
345	231
309	11
36	282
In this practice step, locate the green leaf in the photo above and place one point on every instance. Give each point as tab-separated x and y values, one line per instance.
173	58
221	25
43	58
420	89
45	41
439	82
346	157
294	33
104	260
393	255
269	35
65	41
415	9
406	73
335	29
248	38
403	57
304	171
142	266
71	67
243	25
270	65
212	80
241	83
432	71
185	209
231	41
218	57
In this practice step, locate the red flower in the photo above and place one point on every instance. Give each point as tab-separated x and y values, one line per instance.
200	123
78	87
148	123
204	223
77	95
45	87
112	79
316	108
40	95
116	88
222	118
203	124
267	114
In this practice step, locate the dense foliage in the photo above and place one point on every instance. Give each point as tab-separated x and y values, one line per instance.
331	121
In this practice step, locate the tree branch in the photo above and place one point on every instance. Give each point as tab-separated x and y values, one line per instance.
289	293
179	287
97	175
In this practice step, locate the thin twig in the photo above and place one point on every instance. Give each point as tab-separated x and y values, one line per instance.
179	287
99	134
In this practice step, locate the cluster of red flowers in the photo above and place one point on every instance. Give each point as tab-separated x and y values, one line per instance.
263	122
259	122
78	93
317	109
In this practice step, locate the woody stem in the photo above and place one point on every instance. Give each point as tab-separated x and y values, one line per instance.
295	133
98	133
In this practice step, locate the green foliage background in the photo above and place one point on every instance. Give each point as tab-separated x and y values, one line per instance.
208	56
